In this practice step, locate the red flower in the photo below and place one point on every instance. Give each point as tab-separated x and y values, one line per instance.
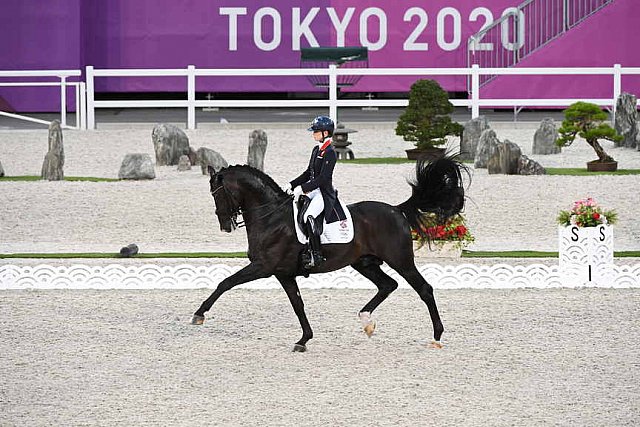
596	215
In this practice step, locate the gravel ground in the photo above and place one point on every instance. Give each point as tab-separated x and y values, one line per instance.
511	357
174	212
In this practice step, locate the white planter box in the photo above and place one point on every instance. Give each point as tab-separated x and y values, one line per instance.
586	255
437	250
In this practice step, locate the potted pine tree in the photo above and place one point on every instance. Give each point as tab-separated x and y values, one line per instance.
426	121
586	120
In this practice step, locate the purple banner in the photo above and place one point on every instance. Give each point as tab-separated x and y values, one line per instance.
71	34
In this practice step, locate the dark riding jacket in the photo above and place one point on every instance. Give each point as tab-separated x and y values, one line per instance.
319	174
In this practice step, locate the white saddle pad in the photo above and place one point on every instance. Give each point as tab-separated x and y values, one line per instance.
336	232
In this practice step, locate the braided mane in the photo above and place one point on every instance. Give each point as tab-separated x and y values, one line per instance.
258	175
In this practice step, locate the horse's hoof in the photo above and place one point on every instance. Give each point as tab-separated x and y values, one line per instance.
197	320
299	348
370	329
435	344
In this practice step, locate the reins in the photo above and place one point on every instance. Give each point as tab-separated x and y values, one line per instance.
240	211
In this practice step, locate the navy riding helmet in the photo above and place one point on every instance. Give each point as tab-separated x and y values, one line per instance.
322	123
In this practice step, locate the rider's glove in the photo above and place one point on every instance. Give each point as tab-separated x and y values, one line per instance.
297	192
287	188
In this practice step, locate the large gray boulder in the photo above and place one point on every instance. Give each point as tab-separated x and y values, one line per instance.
504	159
257	149
527	166
626	121
209	157
137	166
1	170
169	142
487	146
471	136
544	140
53	165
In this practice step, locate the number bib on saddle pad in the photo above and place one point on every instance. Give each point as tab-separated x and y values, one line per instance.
337	232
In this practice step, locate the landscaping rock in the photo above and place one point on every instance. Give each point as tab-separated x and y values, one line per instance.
257	149
209	157
137	166
527	166
53	165
471	136
169	142
626	121
544	140
487	146
505	159
184	164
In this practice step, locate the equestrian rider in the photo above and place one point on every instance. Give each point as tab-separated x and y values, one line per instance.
315	183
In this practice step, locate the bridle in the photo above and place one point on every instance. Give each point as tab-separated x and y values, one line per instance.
233	213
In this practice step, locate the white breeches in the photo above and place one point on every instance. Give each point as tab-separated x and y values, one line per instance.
317	204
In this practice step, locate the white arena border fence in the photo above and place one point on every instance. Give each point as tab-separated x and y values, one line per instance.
333	103
151	276
62	75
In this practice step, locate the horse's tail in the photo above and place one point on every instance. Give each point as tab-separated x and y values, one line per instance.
438	188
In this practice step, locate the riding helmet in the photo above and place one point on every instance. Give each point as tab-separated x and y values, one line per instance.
322	123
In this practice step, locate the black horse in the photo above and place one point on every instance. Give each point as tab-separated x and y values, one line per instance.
382	234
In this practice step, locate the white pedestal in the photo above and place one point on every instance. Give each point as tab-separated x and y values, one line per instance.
586	255
437	250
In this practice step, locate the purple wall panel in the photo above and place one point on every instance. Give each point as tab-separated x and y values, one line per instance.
71	34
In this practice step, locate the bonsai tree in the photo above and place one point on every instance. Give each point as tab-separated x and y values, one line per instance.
586	120
426	119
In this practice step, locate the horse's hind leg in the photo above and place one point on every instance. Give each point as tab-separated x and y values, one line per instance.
424	289
372	271
291	288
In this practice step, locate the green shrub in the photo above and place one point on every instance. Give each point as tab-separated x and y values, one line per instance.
426	120
587	121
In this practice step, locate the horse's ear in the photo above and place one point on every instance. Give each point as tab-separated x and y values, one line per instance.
211	170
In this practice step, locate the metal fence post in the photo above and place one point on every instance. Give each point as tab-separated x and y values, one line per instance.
63	101
333	92
191	97
82	109
617	88
475	91
91	121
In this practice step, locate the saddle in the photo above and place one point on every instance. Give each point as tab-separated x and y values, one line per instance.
340	231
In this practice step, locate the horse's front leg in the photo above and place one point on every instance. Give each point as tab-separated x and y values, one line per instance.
247	274
291	288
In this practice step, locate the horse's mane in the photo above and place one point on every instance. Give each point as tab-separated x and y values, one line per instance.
259	176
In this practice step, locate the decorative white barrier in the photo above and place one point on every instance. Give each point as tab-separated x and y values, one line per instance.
149	276
586	254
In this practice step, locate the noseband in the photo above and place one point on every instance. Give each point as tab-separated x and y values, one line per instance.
233	213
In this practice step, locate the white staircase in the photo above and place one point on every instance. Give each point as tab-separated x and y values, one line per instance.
524	29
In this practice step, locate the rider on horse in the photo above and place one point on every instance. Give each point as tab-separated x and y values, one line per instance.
314	187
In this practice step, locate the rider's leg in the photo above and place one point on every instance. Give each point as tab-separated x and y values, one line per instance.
315	208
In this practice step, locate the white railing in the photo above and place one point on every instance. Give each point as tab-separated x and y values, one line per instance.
80	93
475	103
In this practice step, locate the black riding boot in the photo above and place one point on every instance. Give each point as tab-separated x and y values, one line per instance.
314	256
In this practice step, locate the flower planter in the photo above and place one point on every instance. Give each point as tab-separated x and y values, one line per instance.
437	250
597	166
424	153
585	254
